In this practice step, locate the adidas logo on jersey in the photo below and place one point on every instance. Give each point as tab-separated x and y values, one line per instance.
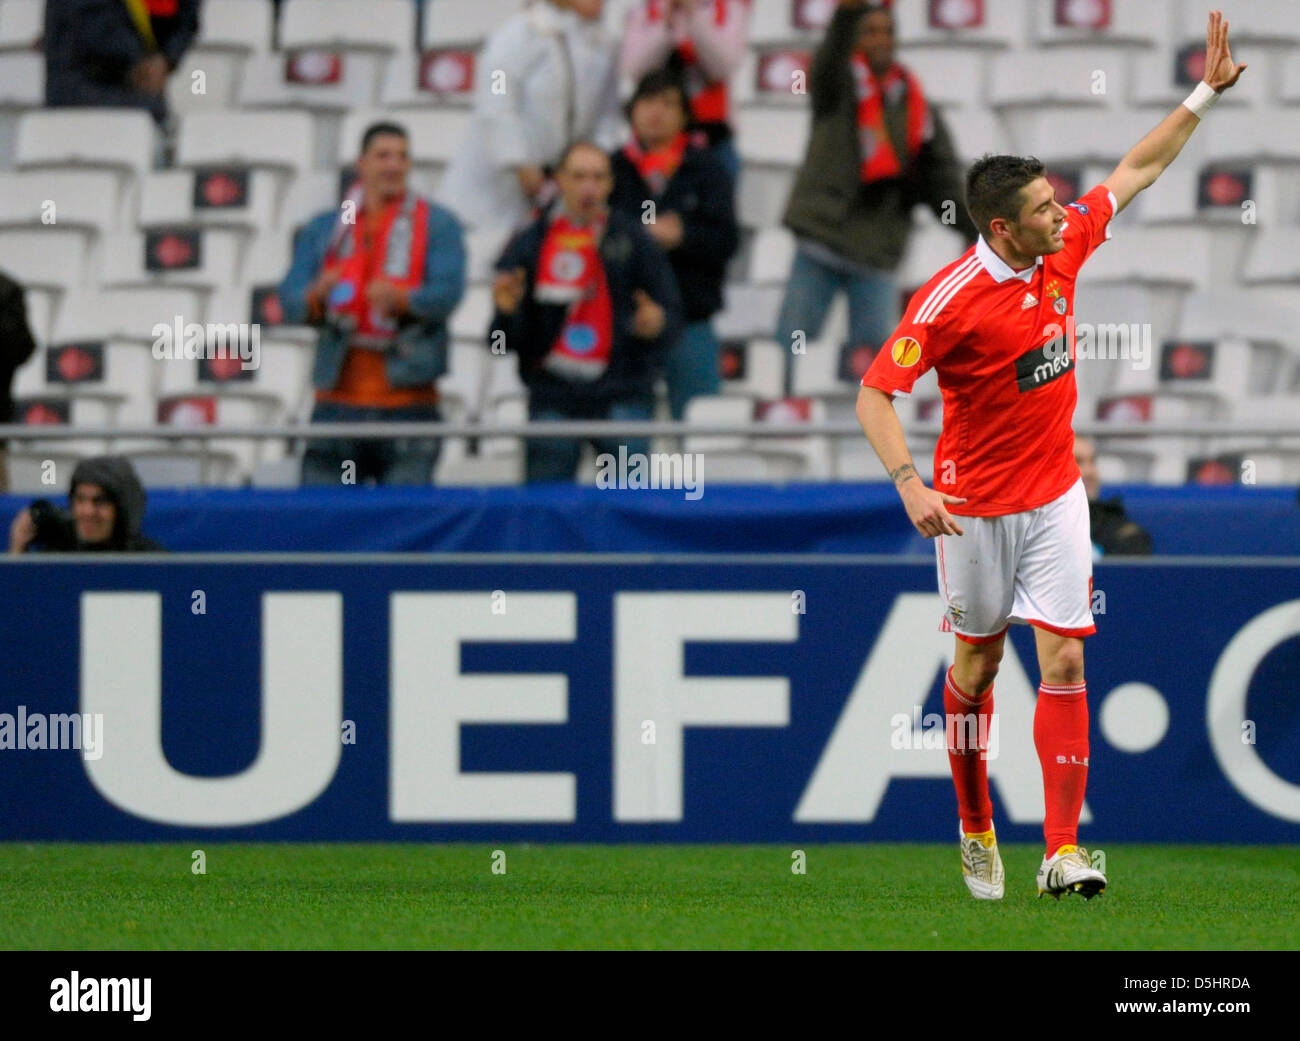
1029	301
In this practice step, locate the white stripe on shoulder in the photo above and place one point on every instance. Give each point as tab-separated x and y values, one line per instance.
947	289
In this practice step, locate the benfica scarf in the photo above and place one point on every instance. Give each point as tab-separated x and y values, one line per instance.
397	253
709	101
143	12
657	167
570	272
879	160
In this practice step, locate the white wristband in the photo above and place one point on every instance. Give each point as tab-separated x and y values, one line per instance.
1202	99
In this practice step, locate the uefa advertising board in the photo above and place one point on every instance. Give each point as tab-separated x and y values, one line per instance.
615	699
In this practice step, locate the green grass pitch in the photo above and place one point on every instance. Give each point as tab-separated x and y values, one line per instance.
419	896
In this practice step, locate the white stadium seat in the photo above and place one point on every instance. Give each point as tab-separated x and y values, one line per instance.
1059	76
749	311
275	140
1257	22
771	254
122	261
461	389
1144	24
948	77
81	199
1004	24
1078	134
124	314
1272	133
764	371
776	136
1273	258
976	131
452	22
97	137
22	80
264	85
22	24
385	25
236	25
49	258
1155	256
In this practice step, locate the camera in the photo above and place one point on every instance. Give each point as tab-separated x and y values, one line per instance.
55	529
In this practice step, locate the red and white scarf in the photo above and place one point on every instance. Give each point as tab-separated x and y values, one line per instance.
397	254
879	159
710	102
570	272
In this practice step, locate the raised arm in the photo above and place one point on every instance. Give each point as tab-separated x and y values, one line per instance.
1147	160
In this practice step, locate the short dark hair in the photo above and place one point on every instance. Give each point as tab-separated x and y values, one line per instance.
993	186
656	82
573	146
381	130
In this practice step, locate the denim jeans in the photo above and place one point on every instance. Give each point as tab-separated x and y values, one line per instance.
872	295
402	460
691	367
556	459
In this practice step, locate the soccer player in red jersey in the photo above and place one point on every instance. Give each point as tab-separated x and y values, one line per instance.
1008	511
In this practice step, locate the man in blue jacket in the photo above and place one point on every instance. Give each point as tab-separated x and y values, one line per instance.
380	277
588	302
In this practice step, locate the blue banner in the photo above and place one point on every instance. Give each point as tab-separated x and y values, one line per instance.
614	699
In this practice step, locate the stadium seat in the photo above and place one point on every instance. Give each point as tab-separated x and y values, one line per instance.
1059	76
95	137
449	23
771	254
764	371
124	314
949	77
748	311
1003	24
265	84
22	81
1290	79
500	380
122	260
817	373
448	80
168	197
1156	85
472	317
975	131
1157	256
240	26
1060	134
1145	24
1257	22
381	25
506	411
308	194
930	247
1268	133
51	258
1272	258
83	199
270	140
22	24
762	196
463	387
27	466
1260	315
708	409
773	136
772	24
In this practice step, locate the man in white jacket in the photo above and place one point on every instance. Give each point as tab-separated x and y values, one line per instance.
547	77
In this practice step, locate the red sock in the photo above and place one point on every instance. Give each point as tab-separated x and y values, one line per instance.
970	773
1061	737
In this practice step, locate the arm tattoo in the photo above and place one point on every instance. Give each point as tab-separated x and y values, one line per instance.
903	473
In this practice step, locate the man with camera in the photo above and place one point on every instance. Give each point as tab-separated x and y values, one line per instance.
107	503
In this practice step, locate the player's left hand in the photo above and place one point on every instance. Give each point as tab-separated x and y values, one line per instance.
1220	72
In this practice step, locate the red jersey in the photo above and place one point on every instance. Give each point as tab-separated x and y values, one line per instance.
1002	342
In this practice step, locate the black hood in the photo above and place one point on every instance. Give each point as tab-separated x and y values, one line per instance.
118	479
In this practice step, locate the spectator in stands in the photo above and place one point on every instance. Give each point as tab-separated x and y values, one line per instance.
381	279
683	187
107	503
702	40
16	345
116	53
1112	530
546	78
587	300
876	150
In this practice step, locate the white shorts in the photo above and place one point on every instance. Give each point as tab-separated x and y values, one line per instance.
1033	567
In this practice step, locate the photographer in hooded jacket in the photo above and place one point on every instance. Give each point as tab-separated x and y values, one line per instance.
107	508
